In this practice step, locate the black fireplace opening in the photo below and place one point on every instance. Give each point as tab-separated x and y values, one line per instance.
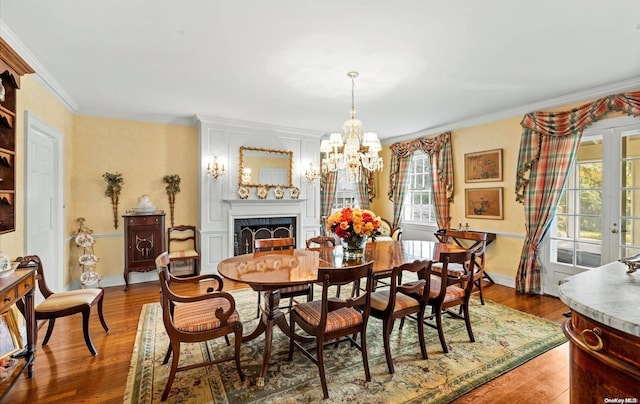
246	230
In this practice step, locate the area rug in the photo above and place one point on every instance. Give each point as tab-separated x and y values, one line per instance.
505	339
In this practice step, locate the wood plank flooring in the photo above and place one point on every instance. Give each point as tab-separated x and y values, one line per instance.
65	371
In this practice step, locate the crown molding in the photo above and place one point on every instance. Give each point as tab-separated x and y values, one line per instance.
580	96
236	123
42	75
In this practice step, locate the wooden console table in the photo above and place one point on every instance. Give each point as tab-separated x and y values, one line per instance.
20	285
458	237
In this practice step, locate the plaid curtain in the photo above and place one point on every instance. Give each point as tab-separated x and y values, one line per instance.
547	150
362	188
328	183
440	156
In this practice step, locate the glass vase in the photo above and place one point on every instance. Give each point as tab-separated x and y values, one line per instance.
353	247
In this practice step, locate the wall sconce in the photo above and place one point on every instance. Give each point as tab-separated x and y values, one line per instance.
216	170
246	176
312	174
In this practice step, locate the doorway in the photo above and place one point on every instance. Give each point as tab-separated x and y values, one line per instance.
43	197
598	216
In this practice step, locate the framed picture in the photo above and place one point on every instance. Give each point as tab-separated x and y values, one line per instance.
483	203
10	339
483	166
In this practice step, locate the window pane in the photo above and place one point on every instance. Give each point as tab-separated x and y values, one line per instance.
562	226
588	255
562	251
590	202
590	175
590	227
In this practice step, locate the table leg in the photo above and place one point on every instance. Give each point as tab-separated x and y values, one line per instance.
270	316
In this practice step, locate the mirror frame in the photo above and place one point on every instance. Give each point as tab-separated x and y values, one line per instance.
274	151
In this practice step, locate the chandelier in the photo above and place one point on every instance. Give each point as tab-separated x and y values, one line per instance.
353	148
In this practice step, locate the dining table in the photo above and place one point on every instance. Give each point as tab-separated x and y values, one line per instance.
267	273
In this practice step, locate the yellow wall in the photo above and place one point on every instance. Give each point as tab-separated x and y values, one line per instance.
143	153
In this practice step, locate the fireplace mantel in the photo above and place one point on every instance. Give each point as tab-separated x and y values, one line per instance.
249	202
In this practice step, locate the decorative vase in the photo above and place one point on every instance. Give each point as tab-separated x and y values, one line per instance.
353	247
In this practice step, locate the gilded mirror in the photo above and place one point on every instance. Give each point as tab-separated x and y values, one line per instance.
265	167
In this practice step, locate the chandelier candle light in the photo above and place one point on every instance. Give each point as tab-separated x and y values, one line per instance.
353	148
354	226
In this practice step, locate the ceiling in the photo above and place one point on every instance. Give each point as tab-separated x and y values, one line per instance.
424	65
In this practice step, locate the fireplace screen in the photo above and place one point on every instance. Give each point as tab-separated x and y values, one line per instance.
247	230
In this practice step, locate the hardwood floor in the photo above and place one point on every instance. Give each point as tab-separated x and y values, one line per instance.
66	372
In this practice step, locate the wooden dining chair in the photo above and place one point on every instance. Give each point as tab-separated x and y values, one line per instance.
196	317
183	247
62	304
451	288
402	300
319	242
282	245
472	240
332	320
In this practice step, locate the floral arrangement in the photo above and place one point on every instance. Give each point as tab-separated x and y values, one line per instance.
353	224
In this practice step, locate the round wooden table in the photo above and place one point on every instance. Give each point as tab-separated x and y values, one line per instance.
267	273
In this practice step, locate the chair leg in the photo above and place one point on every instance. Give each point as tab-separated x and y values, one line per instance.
85	330
323	377
52	322
172	372
292	329
365	359
479	284
467	321
423	345
258	313
438	314
104	323
166	357
387	326
238	344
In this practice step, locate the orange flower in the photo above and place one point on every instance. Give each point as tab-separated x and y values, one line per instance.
353	223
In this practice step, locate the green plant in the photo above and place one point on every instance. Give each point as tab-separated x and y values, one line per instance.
173	187
114	187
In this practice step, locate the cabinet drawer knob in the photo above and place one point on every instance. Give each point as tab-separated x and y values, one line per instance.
591	336
7	299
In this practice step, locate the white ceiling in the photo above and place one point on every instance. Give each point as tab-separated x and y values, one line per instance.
423	64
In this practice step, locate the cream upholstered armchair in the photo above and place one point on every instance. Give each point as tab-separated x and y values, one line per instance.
388	232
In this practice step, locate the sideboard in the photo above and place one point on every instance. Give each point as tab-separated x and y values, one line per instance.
604	333
143	242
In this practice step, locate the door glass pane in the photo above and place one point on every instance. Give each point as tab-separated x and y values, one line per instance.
590	175
561	222
590	227
562	251
590	202
588	255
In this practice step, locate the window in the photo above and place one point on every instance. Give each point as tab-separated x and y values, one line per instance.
418	200
346	193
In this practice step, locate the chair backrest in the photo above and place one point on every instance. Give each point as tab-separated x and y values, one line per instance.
321	241
464	278
419	290
342	276
273	244
475	241
33	261
181	237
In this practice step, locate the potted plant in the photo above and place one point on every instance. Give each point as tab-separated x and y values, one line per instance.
114	187
173	187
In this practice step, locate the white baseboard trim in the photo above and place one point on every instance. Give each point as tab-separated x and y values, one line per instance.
503	280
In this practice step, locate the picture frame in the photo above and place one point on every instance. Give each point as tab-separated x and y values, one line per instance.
483	203
483	166
10	338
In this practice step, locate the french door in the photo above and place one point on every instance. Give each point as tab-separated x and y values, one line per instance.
598	216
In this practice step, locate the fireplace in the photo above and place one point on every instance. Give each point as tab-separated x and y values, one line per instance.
246	230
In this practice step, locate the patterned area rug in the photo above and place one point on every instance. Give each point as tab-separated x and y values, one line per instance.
505	339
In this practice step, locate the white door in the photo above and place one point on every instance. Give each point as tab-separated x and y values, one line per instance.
43	197
598	217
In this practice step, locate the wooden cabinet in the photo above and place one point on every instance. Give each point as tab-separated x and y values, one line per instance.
20	286
605	362
12	66
143	242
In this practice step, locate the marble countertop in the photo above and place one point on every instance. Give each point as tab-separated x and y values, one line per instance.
606	294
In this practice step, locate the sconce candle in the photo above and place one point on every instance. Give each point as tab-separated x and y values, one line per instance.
311	174
217	170
246	175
